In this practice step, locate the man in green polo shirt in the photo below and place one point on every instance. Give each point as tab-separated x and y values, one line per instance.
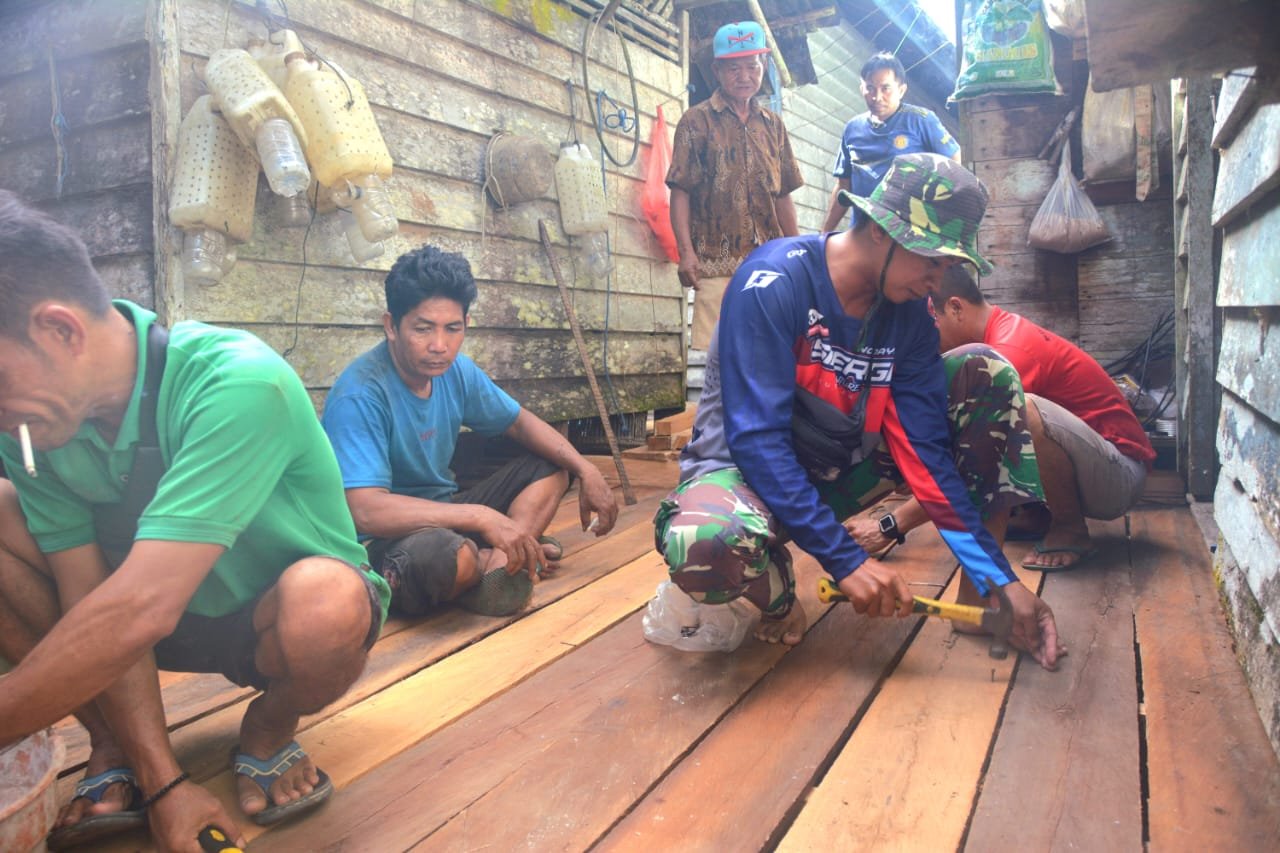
244	560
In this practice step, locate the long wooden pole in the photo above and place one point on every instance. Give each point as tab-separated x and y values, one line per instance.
627	494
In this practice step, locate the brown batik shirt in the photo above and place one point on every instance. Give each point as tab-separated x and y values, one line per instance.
732	173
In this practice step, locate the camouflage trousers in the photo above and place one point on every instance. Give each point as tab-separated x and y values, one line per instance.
721	542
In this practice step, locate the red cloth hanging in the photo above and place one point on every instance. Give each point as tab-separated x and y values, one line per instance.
655	198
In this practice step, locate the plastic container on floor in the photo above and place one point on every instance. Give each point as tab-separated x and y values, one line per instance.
28	796
674	619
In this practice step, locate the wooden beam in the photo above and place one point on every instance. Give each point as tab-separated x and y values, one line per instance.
1132	42
1064	773
909	773
1213	779
166	116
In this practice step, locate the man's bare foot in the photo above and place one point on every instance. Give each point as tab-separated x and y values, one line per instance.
261	740
551	556
789	630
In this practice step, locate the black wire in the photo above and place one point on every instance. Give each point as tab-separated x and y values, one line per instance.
297	305
597	119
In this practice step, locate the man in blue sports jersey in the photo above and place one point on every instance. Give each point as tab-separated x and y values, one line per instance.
393	418
838	322
888	129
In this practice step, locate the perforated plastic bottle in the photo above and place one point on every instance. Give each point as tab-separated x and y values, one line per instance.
261	116
214	190
347	151
271	52
582	203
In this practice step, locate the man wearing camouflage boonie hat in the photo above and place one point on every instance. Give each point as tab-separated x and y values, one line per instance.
840	320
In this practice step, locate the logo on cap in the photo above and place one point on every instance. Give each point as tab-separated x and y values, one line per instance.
745	38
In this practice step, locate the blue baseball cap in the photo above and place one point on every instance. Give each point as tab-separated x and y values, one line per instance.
745	38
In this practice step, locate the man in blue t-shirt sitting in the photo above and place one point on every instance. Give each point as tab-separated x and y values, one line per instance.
394	416
888	128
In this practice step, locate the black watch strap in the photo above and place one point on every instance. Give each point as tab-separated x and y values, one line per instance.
889	528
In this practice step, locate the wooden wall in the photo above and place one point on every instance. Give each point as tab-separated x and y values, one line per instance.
96	57
1246	206
443	76
1105	299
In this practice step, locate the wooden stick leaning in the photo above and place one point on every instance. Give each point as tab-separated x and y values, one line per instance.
627	494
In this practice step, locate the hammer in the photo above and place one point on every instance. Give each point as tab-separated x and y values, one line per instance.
997	622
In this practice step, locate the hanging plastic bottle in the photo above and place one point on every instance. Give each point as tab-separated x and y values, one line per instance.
271	52
362	249
582	203
260	115
347	151
214	189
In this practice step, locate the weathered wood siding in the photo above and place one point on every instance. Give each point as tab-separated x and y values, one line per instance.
95	56
1247	501
442	77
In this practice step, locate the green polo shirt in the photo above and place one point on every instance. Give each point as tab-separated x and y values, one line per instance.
248	467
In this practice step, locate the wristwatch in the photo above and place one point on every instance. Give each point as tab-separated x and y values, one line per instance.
889	528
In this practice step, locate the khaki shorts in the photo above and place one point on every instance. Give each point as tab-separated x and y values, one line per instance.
1109	482
707	297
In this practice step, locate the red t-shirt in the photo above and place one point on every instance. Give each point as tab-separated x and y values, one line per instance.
1056	369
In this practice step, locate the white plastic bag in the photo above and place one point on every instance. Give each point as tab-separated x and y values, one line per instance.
674	619
1067	221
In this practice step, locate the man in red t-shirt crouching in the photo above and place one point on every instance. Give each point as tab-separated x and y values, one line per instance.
1094	455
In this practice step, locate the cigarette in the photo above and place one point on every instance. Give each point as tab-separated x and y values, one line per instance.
28	456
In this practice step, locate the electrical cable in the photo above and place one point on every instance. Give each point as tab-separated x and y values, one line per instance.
620	118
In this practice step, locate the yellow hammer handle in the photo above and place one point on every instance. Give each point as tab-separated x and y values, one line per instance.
829	592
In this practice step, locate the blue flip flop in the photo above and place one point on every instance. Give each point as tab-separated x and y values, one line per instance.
1082	556
97	827
264	772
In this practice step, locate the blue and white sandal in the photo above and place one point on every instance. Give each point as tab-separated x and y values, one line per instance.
97	827
264	772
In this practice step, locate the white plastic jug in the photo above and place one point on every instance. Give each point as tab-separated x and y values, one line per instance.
215	180
260	115
344	140
582	203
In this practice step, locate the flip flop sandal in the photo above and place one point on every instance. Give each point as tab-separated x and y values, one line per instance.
263	772
97	827
498	593
1082	556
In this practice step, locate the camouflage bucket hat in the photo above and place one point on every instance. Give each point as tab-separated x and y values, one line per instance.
929	205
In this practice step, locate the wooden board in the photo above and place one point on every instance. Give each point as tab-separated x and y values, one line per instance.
1064	773
1249	168
1250	249
907	778
784	731
1136	41
527	755
352	743
1213	778
678	422
1248	356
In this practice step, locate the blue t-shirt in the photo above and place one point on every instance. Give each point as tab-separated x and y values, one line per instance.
867	148
387	437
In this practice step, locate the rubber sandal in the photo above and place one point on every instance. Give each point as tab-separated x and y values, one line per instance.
498	593
263	772
1082	556
98	827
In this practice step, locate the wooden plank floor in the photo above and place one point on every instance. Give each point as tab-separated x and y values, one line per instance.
562	729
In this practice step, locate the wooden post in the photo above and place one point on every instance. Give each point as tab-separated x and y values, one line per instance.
165	96
1195	287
